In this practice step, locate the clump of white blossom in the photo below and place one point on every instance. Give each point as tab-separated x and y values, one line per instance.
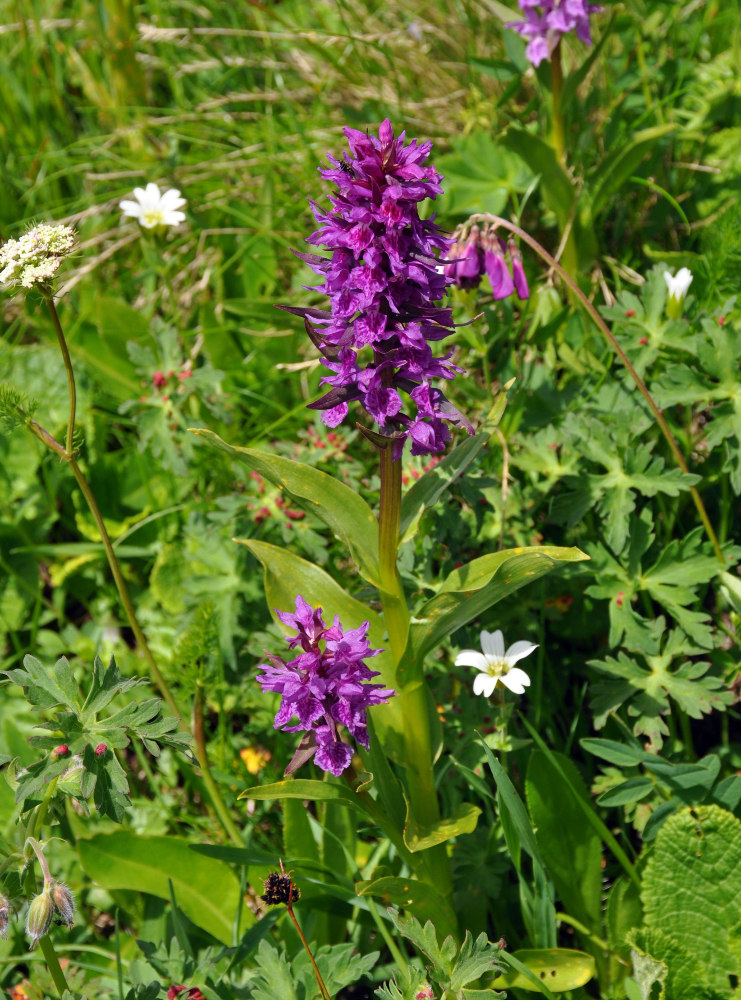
34	257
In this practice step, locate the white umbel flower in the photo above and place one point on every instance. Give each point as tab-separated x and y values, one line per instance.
34	257
153	208
677	285
496	666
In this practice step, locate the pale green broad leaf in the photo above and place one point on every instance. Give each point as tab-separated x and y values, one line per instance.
206	890
473	589
339	507
305	789
463	820
558	969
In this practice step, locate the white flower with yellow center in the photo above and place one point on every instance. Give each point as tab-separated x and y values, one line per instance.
496	666
153	208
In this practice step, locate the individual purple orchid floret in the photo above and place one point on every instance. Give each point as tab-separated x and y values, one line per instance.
324	687
478	251
385	289
547	20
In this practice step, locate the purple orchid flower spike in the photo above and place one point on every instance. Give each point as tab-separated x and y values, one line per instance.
546	21
325	687
385	289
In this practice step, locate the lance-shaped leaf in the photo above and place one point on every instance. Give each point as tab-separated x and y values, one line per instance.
305	789
339	507
420	838
471	590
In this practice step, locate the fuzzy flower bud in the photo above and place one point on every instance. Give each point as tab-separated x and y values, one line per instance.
101	749
40	914
4	915
64	903
33	258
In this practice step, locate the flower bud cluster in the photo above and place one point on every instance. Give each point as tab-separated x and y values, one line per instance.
478	251
54	902
33	258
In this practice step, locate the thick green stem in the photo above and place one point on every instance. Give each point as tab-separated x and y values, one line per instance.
611	339
199	737
68	368
558	133
52	962
413	696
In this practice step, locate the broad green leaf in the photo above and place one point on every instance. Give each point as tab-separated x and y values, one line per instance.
305	788
341	509
559	193
417	898
614	753
632	790
463	820
474	588
428	489
480	174
206	890
570	848
622	914
558	969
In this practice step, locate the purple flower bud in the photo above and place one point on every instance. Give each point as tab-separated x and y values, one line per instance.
496	269
325	687
518	271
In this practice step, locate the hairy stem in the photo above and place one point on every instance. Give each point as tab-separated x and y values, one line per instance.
611	339
35	846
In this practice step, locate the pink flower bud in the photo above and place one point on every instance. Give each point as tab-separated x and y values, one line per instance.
61	751
158	379
101	749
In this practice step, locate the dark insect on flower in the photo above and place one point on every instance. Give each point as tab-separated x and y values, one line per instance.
346	168
280	889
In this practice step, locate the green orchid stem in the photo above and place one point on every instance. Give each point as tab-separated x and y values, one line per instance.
559	134
414	696
611	339
52	963
199	737
320	982
49	298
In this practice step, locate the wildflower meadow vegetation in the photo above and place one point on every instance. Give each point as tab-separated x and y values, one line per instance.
370	460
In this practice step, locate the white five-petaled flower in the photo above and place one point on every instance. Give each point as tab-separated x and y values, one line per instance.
495	666
678	286
153	208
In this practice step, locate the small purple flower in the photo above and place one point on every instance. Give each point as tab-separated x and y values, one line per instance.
547	20
385	288
324	687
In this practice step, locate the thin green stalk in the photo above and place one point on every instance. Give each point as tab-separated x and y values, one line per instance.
49	298
43	808
199	737
658	415
52	963
35	846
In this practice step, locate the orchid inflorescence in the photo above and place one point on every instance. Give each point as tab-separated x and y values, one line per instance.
325	687
546	21
385	288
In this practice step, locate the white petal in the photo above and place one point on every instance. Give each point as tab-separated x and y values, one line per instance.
141	196
492	644
484	684
516	680
519	649
471	658
174	218
152	192
171	199
130	208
